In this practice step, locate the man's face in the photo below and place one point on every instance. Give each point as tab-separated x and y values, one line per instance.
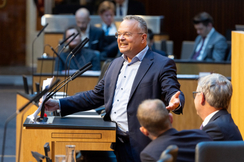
82	22
203	30
77	39
107	17
131	40
197	102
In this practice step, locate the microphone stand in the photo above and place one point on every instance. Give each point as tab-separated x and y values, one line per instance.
35	98
73	55
33	47
55	90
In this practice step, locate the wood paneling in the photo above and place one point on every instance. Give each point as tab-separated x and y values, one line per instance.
12	32
179	13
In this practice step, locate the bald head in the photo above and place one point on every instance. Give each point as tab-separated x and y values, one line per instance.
153	115
82	17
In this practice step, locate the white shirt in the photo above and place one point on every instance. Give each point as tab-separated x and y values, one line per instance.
200	57
124	8
112	29
86	35
123	88
206	120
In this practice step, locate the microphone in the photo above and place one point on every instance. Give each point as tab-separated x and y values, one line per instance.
76	49
68	43
66	39
42	30
34	99
33	47
74	76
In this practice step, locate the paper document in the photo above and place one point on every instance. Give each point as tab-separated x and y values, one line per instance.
46	84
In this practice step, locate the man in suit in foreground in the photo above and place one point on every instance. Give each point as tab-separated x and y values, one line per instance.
212	99
156	124
137	75
209	44
95	35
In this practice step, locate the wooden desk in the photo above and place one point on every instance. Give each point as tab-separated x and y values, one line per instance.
92	134
194	67
183	66
82	83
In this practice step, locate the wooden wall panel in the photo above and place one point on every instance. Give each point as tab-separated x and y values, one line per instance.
179	13
12	33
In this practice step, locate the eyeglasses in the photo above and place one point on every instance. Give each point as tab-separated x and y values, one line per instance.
194	93
126	34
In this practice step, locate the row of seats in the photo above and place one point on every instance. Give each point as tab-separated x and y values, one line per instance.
211	151
186	49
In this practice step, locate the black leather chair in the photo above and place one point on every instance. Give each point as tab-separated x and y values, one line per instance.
224	151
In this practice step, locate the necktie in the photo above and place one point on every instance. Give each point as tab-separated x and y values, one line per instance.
201	127
107	30
197	53
120	10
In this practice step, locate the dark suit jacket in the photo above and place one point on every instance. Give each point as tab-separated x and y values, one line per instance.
134	8
221	127
186	141
81	58
215	49
96	38
155	78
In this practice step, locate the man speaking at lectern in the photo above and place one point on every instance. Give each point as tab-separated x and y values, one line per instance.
137	75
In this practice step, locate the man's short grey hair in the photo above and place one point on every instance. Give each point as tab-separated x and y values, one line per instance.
217	90
142	22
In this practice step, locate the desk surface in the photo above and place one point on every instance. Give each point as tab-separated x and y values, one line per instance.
78	122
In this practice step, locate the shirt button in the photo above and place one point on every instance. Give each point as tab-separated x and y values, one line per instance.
124	76
118	100
121	88
115	112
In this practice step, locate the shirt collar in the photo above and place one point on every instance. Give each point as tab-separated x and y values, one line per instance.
138	57
210	33
207	119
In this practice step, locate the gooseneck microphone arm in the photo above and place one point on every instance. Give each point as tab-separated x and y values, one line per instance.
35	98
74	76
33	47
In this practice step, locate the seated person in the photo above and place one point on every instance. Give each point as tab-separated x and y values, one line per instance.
209	44
156	123
150	43
129	7
106	12
82	57
95	35
212	99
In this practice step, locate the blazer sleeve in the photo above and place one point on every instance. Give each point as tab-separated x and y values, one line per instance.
146	157
219	50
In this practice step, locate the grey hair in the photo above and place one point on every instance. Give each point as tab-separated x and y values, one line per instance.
142	22
217	90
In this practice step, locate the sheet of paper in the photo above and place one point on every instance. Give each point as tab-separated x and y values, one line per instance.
46	84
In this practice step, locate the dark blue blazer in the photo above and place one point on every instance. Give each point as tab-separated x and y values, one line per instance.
186	141
221	127
96	38
156	78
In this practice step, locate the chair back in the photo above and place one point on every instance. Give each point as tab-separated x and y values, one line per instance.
172	150
224	151
104	68
187	49
166	158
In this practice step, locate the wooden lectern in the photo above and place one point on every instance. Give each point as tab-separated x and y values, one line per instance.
87	131
237	78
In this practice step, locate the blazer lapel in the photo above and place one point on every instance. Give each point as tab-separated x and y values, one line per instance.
218	114
145	65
